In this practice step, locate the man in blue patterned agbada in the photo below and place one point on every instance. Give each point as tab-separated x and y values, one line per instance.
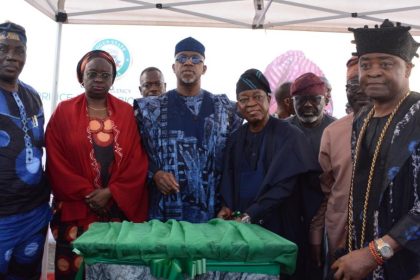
185	132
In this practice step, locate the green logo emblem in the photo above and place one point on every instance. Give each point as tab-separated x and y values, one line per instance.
118	51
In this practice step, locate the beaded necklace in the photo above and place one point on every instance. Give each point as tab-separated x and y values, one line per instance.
350	223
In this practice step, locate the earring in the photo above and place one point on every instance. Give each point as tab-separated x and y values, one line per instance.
82	85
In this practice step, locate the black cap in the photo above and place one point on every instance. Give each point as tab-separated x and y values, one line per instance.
386	38
252	79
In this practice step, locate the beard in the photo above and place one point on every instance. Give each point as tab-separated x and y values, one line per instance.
308	119
189	80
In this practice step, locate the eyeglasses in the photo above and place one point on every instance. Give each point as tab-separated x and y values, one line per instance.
302	99
149	85
195	59
259	98
93	75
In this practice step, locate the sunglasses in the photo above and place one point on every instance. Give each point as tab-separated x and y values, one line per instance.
195	59
302	99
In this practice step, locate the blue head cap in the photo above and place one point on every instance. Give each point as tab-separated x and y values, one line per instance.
12	31
190	45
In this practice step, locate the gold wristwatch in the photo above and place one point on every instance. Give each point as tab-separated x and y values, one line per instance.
384	249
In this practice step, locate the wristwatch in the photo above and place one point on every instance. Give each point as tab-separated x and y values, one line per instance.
384	249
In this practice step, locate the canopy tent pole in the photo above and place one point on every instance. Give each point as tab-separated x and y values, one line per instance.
54	94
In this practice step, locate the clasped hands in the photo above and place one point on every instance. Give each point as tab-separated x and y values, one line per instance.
98	199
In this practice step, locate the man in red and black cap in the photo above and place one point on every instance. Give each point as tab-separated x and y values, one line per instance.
309	99
383	240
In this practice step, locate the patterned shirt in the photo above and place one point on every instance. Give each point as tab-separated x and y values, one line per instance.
22	181
187	140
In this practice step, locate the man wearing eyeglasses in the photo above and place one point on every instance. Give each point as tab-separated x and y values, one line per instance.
264	161
309	93
185	132
152	82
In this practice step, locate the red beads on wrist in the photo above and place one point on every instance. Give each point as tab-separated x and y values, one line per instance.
378	259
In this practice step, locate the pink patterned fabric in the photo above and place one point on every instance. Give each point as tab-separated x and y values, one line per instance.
286	68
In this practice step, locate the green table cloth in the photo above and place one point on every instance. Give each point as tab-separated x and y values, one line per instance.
172	249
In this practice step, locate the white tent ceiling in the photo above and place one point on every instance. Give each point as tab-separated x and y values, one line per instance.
320	15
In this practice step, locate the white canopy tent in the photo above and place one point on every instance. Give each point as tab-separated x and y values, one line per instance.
308	15
324	15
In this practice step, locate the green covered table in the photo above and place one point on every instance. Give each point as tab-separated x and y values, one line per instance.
182	250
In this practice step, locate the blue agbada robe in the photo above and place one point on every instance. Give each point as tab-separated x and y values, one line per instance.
188	145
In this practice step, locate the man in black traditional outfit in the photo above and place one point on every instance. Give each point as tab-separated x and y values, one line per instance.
384	205
264	159
309	94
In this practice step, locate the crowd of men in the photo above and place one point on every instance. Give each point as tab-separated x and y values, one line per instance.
346	191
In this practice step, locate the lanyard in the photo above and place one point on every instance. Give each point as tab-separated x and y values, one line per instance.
23	118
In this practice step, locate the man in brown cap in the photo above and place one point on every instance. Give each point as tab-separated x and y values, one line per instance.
309	99
383	241
335	160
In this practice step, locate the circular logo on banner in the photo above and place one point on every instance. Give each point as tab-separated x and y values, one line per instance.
118	51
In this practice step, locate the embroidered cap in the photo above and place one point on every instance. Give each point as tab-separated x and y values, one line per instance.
387	38
12	31
252	79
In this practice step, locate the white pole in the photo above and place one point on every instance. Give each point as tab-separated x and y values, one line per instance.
54	101
54	94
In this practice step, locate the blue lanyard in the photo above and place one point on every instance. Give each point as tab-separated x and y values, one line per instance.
23	118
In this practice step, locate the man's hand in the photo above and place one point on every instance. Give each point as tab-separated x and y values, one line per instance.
165	182
225	213
355	265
